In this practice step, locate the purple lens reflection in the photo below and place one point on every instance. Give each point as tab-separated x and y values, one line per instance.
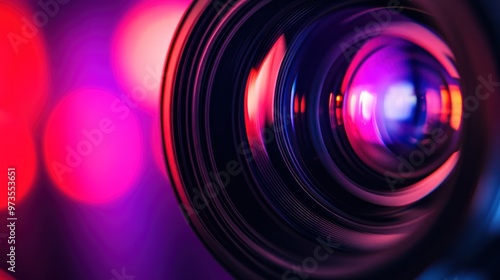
285	124
330	131
401	104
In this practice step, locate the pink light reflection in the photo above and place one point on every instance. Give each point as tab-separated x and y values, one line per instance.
413	192
156	148
259	95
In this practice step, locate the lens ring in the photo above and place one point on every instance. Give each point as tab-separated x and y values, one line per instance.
254	158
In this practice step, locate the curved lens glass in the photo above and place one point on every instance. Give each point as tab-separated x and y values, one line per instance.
401	101
320	139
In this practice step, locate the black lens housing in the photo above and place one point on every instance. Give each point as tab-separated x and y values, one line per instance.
251	203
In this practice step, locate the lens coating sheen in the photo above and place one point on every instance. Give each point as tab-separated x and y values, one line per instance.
294	127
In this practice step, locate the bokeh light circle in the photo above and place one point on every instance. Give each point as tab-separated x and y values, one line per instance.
93	146
23	58
17	151
139	49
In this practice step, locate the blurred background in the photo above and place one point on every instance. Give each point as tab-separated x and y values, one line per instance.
79	116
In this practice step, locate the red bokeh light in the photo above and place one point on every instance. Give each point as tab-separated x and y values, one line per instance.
23	63
18	151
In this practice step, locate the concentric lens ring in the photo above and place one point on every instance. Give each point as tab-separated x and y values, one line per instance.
284	146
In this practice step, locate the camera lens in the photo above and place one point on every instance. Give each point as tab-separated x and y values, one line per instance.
323	139
400	97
